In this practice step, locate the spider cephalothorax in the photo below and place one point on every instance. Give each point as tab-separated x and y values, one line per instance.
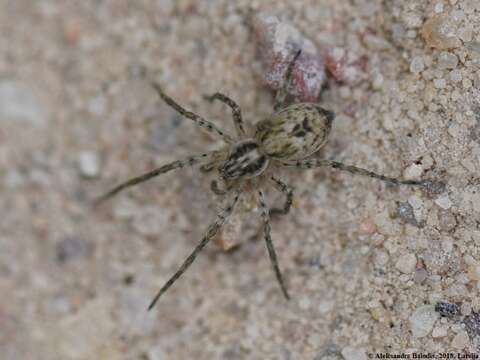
245	160
286	138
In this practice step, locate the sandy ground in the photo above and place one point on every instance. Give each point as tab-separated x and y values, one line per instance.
365	262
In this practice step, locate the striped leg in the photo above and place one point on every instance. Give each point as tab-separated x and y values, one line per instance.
283	91
313	163
210	127
210	233
178	164
288	191
236	112
269	243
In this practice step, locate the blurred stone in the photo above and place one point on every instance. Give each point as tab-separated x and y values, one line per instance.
89	164
472	324
439	332
417	65
440	32
444	202
405	212
422	321
73	247
447	60
406	263
17	103
344	67
277	43
351	353
447	309
86	334
460	341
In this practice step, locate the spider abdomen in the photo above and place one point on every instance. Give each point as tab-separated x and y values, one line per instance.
294	132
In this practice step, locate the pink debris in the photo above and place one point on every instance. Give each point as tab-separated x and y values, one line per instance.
277	43
344	67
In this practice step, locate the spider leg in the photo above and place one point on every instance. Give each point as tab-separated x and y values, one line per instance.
269	243
282	92
312	163
222	217
288	191
209	126
216	188
236	111
178	164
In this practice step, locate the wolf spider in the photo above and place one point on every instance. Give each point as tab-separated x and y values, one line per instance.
285	139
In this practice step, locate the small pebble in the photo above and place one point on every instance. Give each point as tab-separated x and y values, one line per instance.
17	103
439	32
439	331
422	320
433	187
417	65
466	309
447	60
344	67
447	309
367	227
73	247
89	164
474	271
461	340
351	353
406	263
414	171
444	202
405	212
447	220
439	83
420	276
472	324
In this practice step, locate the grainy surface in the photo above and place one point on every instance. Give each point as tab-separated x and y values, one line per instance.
77	115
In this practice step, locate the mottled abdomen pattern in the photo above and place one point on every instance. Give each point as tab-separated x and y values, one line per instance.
295	132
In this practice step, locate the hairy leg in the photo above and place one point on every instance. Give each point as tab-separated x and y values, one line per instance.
178	164
313	163
269	243
288	191
210	127
217	190
283	91
236	112
210	233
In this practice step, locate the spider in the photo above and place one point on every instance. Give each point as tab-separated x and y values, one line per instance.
287	138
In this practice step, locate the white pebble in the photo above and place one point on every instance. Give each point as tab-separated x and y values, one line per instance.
439	83
422	320
351	353
440	331
406	263
414	171
460	341
438	8
417	65
88	164
444	202
456	75
447	60
18	103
